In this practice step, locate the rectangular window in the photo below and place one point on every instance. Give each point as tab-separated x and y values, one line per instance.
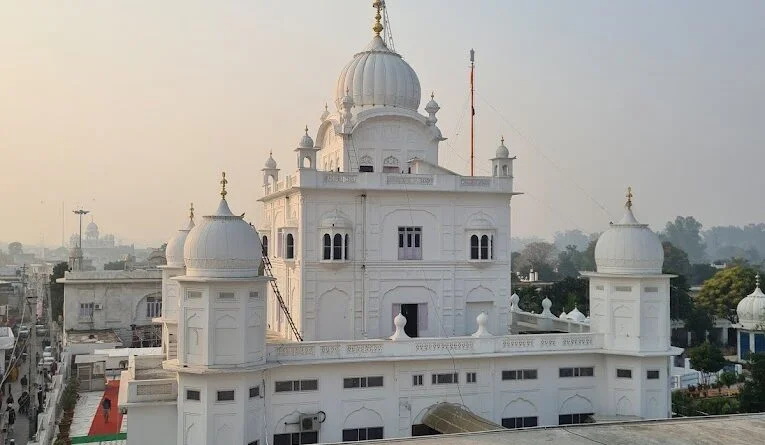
651	289
86	309
446	379
254	392
363	382
356	434
410	243
599	287
623	288
296	385
153	307
303	438
225	395
576	372
652	374
193	394
193	294
253	294
519	422
226	295
470	377
624	373
571	419
417	380
519	374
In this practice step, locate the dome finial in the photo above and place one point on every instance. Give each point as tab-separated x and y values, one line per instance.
502	140
223	183
757	279
629	198
377	4
191	211
432	94
306	129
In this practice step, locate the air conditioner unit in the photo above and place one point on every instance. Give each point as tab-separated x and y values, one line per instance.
309	422
98	307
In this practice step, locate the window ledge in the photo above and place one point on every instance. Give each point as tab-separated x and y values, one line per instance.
480	263
336	264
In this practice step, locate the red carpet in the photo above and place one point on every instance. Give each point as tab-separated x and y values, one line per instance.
99	426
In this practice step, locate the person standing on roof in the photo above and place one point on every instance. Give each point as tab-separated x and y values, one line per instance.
106	405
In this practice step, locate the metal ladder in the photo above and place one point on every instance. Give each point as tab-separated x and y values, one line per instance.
269	273
353	158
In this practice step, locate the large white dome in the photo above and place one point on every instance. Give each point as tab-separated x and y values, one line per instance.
629	247
751	310
222	246
378	76
174	249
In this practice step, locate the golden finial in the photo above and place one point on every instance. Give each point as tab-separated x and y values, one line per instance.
432	95
223	183
629	198
306	129
502	140
326	107
378	26
191	211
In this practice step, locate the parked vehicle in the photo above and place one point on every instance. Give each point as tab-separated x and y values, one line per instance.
23	331
45	363
42	330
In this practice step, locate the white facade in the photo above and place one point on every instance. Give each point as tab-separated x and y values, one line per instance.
110	299
380	230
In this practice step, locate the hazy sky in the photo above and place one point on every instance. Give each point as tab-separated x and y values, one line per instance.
132	108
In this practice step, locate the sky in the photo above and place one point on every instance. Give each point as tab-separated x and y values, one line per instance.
132	109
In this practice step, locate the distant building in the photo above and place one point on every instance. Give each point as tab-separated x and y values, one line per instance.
123	301
100	249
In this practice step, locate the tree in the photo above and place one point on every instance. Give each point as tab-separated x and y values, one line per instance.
708	359
675	260
698	322
541	257
728	378
721	294
15	248
57	289
752	394
701	273
685	233
570	261
567	294
575	238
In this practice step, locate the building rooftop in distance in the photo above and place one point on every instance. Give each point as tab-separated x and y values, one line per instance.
95	336
744	429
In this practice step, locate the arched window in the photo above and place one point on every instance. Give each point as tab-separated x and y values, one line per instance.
290	246
504	170
265	245
337	247
347	243
327	247
495	170
474	247
485	247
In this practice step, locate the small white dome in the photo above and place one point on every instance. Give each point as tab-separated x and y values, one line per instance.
378	76
576	316
751	310
174	249
270	162
92	227
306	141
432	106
629	247
502	151
222	245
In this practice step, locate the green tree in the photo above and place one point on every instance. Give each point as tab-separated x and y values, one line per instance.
566	294
708	359
539	256
698	322
752	394
570	261
675	260
721	294
701	273
57	289
728	378
685	232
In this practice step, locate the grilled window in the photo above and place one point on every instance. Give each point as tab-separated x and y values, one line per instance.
446	379
519	422
368	433
576	372
652	374
153	307
254	392
296	385
571	419
417	380
225	396
471	377
410	243
193	394
363	382
519	374
624	373
304	438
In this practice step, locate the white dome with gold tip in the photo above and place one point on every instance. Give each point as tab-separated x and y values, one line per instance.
629	247
174	249
222	246
379	77
751	310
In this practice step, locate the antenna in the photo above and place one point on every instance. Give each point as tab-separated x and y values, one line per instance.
387	31
472	110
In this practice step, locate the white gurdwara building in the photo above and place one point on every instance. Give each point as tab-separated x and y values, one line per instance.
396	274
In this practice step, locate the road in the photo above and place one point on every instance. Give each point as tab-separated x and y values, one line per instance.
21	427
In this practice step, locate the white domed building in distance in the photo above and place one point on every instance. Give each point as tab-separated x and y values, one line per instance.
751	323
